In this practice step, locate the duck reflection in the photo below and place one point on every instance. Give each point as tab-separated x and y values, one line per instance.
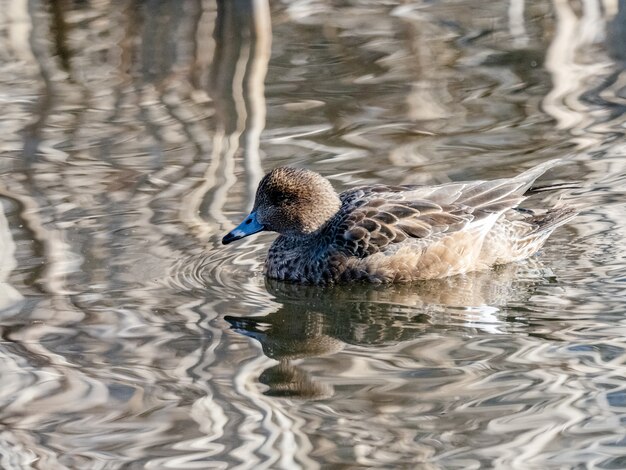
314	321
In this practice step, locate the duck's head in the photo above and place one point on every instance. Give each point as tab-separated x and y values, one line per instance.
291	201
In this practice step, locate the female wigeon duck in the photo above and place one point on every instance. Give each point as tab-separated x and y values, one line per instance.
388	234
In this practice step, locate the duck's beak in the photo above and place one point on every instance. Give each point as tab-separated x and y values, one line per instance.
249	226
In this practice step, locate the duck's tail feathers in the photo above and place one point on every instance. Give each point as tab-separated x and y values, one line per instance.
553	187
529	176
502	194
541	227
546	223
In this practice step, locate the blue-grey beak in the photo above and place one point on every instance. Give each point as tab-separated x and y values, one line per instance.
249	226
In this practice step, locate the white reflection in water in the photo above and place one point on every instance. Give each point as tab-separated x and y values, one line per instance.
9	296
134	135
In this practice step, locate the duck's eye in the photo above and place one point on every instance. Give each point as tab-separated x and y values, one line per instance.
283	198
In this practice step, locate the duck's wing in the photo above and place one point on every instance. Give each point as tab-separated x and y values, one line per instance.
374	217
372	221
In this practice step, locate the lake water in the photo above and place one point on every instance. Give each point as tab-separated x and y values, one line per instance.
133	137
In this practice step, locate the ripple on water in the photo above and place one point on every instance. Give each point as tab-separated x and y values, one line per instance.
131	338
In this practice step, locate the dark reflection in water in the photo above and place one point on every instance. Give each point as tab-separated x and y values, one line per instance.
315	321
133	136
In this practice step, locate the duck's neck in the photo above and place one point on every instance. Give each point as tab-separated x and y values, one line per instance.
306	241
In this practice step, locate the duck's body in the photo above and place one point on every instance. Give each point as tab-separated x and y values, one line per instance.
395	234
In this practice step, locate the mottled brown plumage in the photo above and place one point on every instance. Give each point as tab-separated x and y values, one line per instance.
394	233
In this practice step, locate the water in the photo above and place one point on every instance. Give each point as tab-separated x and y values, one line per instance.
133	137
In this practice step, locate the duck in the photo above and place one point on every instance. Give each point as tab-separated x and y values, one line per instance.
396	234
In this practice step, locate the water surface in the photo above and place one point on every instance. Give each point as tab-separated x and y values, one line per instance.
134	134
